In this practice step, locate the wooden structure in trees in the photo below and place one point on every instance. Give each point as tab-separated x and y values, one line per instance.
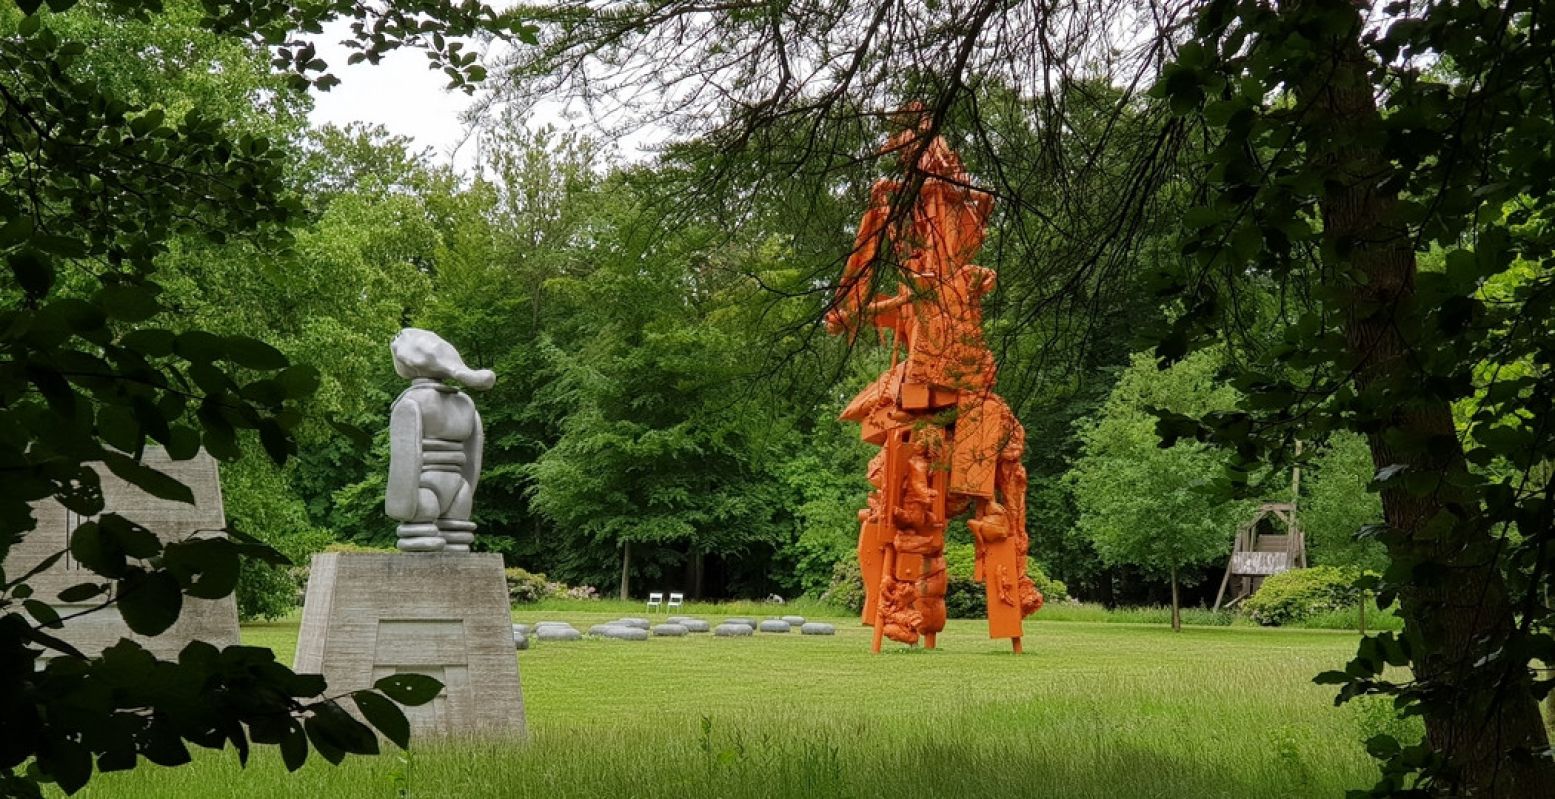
1256	555
949	444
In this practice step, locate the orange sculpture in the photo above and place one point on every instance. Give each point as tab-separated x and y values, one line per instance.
948	443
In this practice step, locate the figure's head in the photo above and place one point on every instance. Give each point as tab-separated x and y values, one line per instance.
422	353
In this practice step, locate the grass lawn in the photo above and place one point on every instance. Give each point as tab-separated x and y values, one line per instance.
1113	711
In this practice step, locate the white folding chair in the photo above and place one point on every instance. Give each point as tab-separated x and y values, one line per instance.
675	600
655	599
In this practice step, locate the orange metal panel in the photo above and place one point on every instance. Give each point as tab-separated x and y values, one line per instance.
1003	584
975	454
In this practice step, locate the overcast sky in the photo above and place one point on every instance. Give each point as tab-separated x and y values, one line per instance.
399	93
408	99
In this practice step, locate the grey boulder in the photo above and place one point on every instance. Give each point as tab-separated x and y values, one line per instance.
554	633
641	624
694	625
620	633
817	628
794	621
775	626
745	620
669	630
520	641
727	630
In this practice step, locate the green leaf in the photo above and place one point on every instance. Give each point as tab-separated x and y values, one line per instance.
322	742
409	689
147	479
128	302
43	613
76	594
254	354
67	762
385	716
97	551
198	345
359	438
34	272
150	601
207	567
19	227
331	724
277	444
299	382
150	342
294	747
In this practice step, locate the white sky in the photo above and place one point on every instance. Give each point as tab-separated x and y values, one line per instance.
400	93
408	99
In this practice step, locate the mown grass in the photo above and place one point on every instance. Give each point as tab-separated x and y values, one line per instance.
1111	711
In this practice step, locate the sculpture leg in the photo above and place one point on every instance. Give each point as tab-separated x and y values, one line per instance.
1001	568
871	561
931	597
420	534
454	525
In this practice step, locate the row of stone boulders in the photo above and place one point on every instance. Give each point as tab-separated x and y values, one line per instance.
635	629
742	626
543	631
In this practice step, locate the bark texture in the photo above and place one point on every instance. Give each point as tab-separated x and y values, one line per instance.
1461	613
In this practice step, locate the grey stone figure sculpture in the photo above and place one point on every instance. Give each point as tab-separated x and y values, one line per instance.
435	441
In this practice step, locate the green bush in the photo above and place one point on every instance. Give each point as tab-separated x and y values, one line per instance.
1299	594
266	591
525	587
961	561
965	599
847	586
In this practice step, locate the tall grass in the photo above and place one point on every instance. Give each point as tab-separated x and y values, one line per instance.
1092	710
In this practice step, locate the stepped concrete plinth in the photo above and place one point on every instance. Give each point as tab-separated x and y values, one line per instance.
443	614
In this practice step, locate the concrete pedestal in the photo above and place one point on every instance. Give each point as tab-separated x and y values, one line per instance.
214	621
370	615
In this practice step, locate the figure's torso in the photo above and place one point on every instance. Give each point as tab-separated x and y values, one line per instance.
446	413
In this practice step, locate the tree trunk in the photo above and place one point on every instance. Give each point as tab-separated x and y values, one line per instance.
626	570
1462	613
698	568
1176	604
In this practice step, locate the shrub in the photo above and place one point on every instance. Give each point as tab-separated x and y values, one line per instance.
525	587
575	592
266	591
961	562
1299	594
965	598
847	586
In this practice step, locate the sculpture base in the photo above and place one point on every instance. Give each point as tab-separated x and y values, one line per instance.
214	621
370	615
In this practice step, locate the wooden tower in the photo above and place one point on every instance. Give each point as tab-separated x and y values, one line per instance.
1256	555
